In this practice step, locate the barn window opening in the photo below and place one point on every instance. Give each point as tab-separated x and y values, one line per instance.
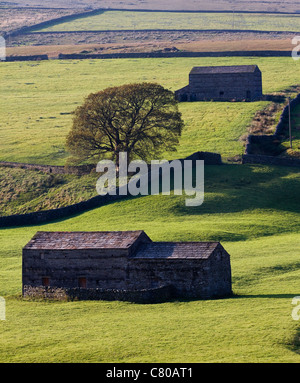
46	281
82	282
221	93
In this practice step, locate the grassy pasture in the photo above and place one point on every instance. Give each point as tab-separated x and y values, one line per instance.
253	210
23	191
120	20
53	51
38	98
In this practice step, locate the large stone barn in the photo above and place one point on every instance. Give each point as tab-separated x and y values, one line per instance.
123	266
223	83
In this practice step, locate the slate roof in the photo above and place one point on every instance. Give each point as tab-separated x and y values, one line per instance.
84	240
224	69
176	250
47	240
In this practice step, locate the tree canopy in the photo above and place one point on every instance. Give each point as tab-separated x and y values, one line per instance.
140	119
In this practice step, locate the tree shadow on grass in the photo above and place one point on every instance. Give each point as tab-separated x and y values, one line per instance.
236	188
294	344
228	189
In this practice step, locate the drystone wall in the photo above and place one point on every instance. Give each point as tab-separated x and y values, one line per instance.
26	58
163	54
259	148
78	170
270	160
36	218
284	116
56	214
145	296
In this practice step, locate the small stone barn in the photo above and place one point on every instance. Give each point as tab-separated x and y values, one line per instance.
223	83
123	266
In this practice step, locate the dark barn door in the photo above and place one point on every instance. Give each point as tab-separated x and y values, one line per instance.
82	282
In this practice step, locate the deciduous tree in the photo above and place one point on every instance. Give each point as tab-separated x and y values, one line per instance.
140	119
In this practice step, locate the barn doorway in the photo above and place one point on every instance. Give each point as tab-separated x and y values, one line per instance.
82	282
46	281
248	95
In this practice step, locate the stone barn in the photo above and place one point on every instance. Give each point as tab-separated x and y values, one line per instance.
223	83
123	266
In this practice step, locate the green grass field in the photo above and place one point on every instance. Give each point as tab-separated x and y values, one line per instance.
120	20
23	191
39	98
253	210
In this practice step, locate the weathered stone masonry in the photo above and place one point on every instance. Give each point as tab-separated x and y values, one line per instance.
223	83
123	266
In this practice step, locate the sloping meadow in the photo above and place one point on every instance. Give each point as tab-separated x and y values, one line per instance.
252	210
39	98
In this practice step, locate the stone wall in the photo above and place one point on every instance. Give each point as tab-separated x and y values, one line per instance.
51	22
270	160
207	157
145	296
26	58
285	115
174	54
263	145
268	145
77	170
36	218
45	216
103	56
